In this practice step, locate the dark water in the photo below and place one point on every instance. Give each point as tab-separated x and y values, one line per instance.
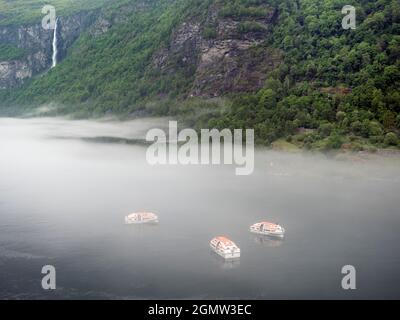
62	202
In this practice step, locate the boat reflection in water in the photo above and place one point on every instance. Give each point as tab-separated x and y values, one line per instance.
267	241
225	264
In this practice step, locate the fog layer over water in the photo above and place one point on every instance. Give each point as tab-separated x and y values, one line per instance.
63	202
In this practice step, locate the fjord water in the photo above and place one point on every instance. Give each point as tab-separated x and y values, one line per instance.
63	198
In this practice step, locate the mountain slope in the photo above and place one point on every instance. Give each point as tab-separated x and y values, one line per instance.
286	68
336	88
17	12
157	49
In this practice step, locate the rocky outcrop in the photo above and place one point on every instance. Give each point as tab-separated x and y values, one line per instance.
100	27
36	42
71	27
230	60
14	72
212	52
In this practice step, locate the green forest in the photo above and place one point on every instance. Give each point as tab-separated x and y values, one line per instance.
341	87
18	12
334	88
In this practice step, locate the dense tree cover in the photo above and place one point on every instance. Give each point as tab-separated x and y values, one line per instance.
335	88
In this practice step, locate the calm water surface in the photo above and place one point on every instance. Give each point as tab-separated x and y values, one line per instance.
63	198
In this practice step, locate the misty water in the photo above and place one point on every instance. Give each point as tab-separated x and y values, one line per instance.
64	195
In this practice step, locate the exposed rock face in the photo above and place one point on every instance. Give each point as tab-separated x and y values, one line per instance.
36	42
37	45
229	62
71	27
100	27
231	66
184	46
14	72
229	58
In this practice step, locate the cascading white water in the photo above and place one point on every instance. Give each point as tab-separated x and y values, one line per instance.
55	45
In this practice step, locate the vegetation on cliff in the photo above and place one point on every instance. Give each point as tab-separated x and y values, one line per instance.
333	88
9	52
336	88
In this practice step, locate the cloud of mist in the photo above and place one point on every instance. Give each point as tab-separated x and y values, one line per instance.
65	198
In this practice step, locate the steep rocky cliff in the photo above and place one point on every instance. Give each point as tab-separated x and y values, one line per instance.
286	68
206	53
36	44
221	52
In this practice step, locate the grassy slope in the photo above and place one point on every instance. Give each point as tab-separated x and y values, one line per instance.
19	12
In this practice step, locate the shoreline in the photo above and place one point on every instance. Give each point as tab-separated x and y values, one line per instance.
279	145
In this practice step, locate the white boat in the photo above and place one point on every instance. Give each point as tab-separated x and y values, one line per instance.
225	248
268	229
141	217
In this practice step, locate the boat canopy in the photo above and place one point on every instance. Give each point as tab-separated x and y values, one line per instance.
225	241
143	215
269	225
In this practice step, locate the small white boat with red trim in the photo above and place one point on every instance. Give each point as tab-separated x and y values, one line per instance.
225	248
268	228
141	217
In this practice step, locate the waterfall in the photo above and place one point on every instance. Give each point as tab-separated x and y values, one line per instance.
55	50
